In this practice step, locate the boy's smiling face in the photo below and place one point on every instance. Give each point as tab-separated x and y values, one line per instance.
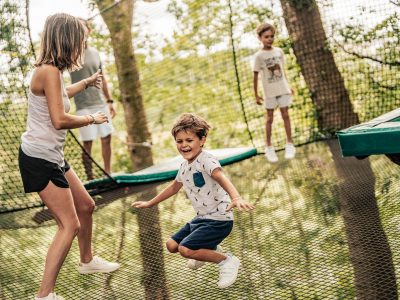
189	144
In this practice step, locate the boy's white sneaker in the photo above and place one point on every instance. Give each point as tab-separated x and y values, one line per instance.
270	154
290	151
228	272
51	296
97	265
196	264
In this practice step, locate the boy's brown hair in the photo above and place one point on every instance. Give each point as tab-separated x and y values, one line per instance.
263	27
191	122
62	42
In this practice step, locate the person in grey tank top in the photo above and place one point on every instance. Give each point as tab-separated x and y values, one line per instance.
92	100
41	157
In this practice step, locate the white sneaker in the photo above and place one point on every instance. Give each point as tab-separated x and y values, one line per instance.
97	265
270	154
290	151
196	264
228	272
51	296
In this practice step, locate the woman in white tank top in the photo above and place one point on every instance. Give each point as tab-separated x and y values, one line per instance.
42	165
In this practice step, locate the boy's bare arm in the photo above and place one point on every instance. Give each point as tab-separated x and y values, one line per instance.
255	86
169	191
237	201
284	71
291	89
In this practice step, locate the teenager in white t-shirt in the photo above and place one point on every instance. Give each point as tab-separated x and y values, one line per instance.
212	195
270	62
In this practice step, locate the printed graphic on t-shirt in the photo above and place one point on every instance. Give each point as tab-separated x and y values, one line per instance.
208	198
274	69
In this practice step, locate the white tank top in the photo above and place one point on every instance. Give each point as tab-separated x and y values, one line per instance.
41	139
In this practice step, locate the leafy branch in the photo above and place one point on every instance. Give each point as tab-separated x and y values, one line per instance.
384	62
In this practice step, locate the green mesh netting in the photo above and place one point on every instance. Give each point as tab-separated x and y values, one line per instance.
205	67
324	226
295	245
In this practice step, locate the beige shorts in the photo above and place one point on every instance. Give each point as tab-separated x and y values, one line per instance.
281	101
94	131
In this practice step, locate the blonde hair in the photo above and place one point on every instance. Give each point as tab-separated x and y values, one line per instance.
62	42
191	122
263	27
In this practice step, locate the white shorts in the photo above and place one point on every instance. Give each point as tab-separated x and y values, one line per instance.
281	101
94	131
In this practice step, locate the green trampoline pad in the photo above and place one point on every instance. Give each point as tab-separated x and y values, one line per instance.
378	136
169	168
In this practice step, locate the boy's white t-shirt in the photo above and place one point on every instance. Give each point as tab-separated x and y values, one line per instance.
270	63
208	198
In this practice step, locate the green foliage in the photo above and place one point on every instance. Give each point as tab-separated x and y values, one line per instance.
194	71
387	32
368	56
16	59
296	233
199	23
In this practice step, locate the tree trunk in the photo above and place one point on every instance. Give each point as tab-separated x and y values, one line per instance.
118	19
326	85
119	22
369	249
151	246
368	246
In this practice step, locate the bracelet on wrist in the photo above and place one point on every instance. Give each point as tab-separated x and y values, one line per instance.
86	83
236	198
110	101
88	120
93	119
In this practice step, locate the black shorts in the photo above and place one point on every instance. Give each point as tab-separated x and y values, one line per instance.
36	173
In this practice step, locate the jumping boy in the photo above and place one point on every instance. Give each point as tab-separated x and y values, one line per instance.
212	195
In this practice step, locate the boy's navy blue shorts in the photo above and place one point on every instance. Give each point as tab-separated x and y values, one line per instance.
203	234
36	173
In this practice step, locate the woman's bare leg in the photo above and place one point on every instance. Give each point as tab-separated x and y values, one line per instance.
59	201
84	205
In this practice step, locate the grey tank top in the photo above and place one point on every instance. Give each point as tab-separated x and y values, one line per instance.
41	139
92	96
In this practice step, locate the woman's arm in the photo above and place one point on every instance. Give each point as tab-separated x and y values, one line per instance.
169	191
59	118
